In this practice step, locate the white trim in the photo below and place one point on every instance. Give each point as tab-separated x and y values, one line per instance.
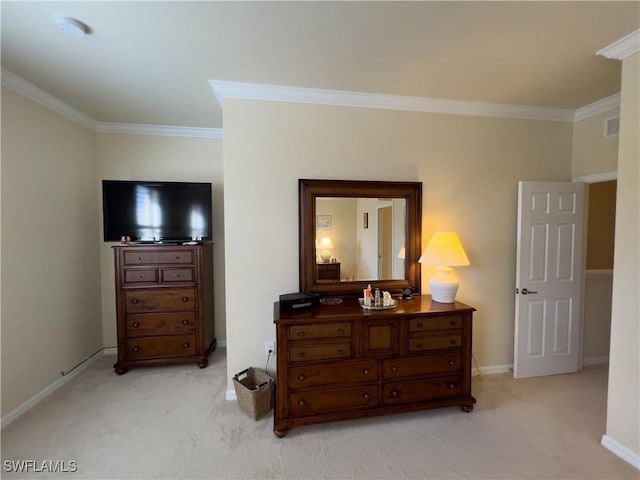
231	395
39	96
598	107
622	48
110	350
278	93
163	130
599	273
45	392
221	344
591	361
621	451
597	177
495	369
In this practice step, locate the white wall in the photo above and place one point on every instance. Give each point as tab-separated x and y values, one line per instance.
152	157
50	257
469	167
623	405
593	153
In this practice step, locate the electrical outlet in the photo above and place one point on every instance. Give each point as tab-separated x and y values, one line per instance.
269	348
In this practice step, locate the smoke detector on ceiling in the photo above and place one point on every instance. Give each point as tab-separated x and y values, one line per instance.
72	27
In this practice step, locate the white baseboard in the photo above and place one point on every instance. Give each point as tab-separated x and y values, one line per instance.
45	392
621	451
110	350
494	369
231	395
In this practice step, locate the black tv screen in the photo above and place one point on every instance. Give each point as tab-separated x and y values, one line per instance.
156	211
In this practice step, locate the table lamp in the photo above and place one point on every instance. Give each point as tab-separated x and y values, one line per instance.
324	244
444	250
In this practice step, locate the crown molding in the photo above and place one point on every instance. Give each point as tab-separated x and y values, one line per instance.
596	108
597	177
39	96
622	48
163	130
277	93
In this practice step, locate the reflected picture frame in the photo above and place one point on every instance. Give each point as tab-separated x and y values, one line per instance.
323	222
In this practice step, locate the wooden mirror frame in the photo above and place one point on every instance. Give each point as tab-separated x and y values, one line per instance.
309	190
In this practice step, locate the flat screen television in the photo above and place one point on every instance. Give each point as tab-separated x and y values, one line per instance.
156	212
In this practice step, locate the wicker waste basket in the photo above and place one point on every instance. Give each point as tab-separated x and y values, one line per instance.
254	390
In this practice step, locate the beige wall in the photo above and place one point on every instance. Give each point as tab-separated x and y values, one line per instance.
593	153
469	167
601	225
50	290
151	157
623	405
597	315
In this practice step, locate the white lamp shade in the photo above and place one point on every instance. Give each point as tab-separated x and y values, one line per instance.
325	242
444	248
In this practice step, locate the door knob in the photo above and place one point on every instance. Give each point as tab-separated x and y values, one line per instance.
525	291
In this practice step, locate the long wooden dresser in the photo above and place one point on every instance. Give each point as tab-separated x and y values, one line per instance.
164	305
338	362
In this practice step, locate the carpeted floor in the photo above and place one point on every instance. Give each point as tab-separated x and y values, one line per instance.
173	422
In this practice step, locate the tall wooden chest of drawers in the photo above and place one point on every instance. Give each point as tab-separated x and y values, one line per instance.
164	305
338	362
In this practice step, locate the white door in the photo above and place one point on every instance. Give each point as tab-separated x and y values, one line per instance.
548	278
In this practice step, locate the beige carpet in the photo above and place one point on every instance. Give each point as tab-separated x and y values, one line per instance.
173	422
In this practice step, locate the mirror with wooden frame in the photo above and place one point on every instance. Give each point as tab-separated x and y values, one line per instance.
354	233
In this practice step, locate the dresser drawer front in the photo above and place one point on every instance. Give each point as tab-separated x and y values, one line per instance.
177	275
320	330
159	347
417	366
144	324
160	299
326	351
134	276
434	342
315	401
176	256
411	391
139	257
334	374
440	322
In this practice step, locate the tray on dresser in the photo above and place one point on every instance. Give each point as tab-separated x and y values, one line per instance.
394	304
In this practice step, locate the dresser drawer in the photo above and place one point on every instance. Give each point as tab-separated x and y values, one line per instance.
434	342
320	330
159	347
150	257
334	374
411	391
134	276
417	366
144	324
177	275
160	299
315	401
440	322
323	351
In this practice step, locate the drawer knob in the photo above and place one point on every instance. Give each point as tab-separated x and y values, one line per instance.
395	393
451	363
141	257
452	323
136	348
301	377
394	368
176	275
141	275
366	396
177	257
302	403
301	334
185	345
134	300
341	352
185	322
420	325
301	355
365	371
185	299
340	331
136	324
451	386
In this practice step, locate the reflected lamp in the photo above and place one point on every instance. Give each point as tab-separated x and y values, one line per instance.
325	244
444	251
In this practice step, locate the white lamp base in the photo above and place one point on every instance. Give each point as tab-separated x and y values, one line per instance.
444	285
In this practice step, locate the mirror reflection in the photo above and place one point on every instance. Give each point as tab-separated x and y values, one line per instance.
359	239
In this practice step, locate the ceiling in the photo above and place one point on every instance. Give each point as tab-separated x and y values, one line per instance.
151	62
